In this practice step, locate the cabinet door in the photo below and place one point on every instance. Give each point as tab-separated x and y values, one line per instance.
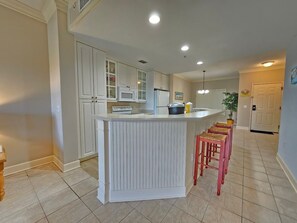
85	70
99	74
100	107
123	78
165	82
127	76
157	80
132	77
141	82
111	79
87	128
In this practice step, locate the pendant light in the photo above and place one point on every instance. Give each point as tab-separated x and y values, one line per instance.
203	91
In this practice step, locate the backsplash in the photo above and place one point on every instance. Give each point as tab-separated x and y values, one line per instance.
137	107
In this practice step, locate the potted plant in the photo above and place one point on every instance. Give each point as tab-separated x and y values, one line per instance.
231	102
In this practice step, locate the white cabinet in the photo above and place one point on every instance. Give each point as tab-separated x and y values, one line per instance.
90	72
142	85
84	70
111	80
165	82
161	81
91	92
127	76
87	109
99	74
157	80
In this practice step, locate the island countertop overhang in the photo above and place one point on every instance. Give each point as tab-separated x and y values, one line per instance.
167	117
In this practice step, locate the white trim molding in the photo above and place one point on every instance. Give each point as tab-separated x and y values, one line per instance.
147	194
242	127
42	161
24	9
27	165
287	171
66	167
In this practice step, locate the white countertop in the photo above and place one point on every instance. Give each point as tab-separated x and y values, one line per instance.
146	117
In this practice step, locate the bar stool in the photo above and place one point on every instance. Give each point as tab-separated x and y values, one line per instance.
217	140
228	126
213	150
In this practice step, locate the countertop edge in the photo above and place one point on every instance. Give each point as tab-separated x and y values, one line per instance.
183	117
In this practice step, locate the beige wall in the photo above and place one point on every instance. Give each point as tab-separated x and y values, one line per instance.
245	82
25	112
231	85
178	84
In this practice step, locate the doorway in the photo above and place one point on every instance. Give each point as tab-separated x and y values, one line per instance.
266	107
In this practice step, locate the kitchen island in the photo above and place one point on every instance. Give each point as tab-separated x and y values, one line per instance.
143	157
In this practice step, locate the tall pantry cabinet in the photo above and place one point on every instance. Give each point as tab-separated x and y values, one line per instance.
92	94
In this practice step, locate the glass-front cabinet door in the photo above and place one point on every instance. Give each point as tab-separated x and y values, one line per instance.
141	82
111	80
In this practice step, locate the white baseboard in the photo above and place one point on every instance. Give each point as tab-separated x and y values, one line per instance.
147	194
66	167
287	171
242	127
27	165
42	161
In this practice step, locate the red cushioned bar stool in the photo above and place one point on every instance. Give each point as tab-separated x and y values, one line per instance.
217	140
228	126
214	149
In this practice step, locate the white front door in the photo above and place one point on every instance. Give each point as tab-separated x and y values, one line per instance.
266	105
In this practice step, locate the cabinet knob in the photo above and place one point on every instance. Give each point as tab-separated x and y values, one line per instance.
96	101
95	97
92	97
92	101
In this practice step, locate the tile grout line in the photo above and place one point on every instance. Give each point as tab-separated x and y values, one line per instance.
271	188
36	196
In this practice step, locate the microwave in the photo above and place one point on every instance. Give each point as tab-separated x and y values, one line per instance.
127	94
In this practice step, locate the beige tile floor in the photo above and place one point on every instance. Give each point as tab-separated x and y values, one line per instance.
256	190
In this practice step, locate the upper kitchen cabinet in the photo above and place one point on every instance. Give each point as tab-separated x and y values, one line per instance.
161	81
141	82
127	76
90	72
111	80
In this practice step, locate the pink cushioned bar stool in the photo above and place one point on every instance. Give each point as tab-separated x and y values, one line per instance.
228	126
213	150
214	139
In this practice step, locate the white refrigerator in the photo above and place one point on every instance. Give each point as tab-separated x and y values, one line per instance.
161	102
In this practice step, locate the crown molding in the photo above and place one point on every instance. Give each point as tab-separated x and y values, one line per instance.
62	5
48	9
260	69
24	9
217	79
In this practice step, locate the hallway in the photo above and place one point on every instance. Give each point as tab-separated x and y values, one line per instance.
256	190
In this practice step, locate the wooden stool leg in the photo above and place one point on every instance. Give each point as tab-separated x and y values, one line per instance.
221	168
196	159
1	182
202	158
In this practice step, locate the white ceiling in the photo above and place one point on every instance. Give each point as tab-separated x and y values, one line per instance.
229	35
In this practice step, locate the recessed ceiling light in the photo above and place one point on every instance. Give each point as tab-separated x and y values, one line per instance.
154	19
200	62
267	63
184	48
